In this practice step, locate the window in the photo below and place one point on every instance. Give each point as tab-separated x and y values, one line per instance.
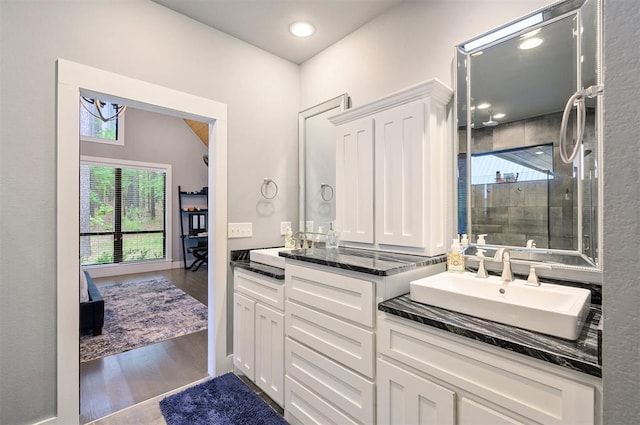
94	129
123	214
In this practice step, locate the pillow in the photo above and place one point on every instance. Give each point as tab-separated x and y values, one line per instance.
84	288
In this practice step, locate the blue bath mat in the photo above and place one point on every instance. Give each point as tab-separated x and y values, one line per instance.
224	400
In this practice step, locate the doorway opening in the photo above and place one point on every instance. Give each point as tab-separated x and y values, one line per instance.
72	80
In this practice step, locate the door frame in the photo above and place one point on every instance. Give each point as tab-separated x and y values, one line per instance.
74	79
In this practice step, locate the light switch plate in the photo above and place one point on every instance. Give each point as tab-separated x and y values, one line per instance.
239	230
283	227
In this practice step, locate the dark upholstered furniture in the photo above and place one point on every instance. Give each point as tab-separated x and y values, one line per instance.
92	311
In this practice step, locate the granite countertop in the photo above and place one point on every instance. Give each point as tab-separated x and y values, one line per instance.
241	259
362	260
263	269
581	355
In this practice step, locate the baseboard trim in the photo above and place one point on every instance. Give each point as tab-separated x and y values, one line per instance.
142	267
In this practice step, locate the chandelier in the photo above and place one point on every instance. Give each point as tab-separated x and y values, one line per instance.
96	108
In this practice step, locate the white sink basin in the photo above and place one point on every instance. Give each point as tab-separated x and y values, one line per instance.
268	256
550	309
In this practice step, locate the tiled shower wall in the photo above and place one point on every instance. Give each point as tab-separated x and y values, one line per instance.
545	211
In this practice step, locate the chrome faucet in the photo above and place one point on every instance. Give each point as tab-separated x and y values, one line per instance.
300	240
503	255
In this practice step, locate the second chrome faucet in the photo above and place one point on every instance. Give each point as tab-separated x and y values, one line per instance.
503	255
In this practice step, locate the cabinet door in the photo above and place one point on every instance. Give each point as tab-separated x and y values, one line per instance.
269	349
406	398
399	176
244	334
354	181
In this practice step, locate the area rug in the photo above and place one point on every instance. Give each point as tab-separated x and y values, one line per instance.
224	400
141	313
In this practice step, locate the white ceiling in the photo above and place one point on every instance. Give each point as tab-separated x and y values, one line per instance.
265	23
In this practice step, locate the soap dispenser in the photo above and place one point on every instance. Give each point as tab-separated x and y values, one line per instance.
465	241
455	257
288	239
332	238
481	240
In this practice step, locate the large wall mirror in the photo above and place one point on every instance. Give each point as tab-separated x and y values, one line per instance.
513	85
317	164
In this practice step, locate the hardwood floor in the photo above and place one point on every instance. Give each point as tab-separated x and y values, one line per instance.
113	383
125	389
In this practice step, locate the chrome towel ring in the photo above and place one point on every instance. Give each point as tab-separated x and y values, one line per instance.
323	193
265	186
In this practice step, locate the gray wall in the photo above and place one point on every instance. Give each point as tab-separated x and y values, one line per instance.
161	139
152	44
410	43
621	287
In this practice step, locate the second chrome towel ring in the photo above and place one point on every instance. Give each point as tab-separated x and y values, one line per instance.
265	187
323	192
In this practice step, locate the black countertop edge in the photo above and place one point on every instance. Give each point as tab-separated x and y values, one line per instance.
378	263
581	355
263	269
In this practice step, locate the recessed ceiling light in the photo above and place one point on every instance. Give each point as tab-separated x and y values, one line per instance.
483	105
499	115
530	43
301	29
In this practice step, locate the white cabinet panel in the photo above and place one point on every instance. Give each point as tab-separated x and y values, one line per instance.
399	176
343	388
244	334
339	295
258	331
412	169
472	413
264	290
351	345
405	398
269	352
354	178
528	391
303	406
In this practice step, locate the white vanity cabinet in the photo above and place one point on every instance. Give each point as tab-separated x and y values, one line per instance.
330	324
399	152
429	376
258	331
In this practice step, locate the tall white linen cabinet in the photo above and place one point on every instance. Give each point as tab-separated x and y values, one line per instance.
395	172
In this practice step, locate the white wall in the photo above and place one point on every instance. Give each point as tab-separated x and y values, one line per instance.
149	43
412	42
160	139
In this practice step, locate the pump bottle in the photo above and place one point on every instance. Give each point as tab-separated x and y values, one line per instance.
455	257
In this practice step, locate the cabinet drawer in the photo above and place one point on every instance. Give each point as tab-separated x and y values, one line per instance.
471	412
345	389
267	291
303	406
336	294
348	344
526	390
